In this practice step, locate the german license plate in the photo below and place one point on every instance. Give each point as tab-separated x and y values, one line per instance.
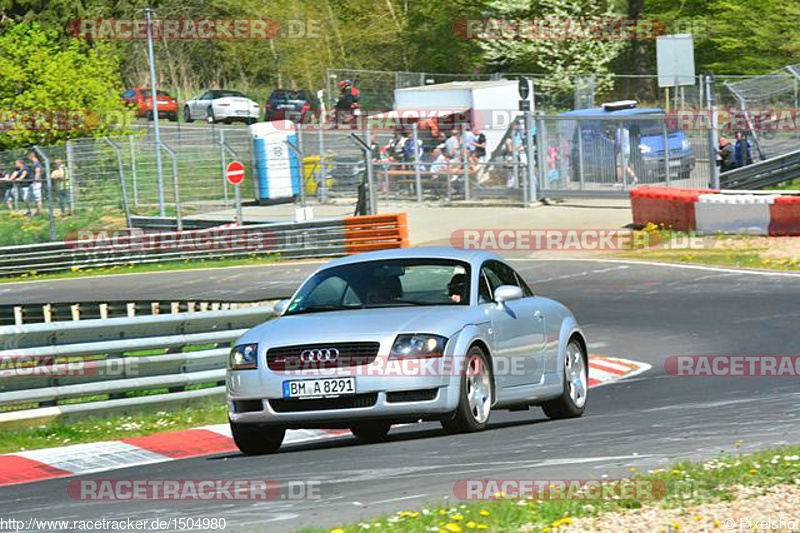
319	388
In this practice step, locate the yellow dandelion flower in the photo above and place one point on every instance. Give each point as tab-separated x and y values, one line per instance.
457	517
453	528
485	512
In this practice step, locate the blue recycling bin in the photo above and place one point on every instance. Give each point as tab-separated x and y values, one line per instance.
277	168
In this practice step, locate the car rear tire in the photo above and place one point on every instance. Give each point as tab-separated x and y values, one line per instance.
371	431
572	402
253	439
210	115
476	395
187	115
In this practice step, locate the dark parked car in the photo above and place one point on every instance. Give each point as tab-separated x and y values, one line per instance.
288	104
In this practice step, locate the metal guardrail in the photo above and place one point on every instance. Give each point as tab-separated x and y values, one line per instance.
43	364
764	173
325	238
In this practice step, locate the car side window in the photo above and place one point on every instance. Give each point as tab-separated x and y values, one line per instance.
526	291
206	96
503	274
484	290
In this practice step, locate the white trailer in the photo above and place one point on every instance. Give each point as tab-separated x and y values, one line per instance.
492	105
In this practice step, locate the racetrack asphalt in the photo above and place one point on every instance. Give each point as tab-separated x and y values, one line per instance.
643	312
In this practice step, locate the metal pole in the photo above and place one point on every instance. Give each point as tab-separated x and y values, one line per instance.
373	202
176	191
417	170
133	173
237	195
49	191
122	189
224	165
322	166
532	194
70	172
666	154
159	170
580	154
713	141
465	164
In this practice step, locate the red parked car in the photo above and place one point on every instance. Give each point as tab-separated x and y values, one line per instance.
141	100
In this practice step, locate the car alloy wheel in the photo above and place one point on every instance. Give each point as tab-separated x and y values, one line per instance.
476	395
572	401
210	115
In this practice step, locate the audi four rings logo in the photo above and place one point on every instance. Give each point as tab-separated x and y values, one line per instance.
316	356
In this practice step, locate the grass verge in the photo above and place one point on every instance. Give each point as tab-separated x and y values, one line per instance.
687	484
63	433
739	251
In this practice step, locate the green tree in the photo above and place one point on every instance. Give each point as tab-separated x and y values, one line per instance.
560	59
41	72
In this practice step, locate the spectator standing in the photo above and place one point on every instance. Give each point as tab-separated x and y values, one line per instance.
35	189
479	144
8	186
25	181
61	186
727	155
452	147
469	141
743	154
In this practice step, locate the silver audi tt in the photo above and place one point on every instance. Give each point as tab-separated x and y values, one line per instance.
404	335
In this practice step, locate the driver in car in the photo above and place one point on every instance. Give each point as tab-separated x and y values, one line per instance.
455	288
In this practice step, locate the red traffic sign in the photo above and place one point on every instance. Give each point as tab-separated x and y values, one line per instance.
234	172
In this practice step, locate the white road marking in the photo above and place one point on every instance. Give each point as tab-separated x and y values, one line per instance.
669	265
390	500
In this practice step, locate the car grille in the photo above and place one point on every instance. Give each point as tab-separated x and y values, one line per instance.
358	401
350	354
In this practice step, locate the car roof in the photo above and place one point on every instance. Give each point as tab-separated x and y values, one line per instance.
422	252
600	112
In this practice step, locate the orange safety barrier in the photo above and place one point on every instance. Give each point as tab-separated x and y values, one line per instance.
784	216
673	208
375	232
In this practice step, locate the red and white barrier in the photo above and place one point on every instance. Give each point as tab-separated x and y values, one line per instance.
709	212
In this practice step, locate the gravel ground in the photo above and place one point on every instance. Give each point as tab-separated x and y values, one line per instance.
781	502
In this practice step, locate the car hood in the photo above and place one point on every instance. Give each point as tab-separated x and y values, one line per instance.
361	324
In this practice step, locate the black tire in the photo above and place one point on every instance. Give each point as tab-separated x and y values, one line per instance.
173	118
371	431
149	115
250	121
253	439
187	115
210	115
463	419
564	406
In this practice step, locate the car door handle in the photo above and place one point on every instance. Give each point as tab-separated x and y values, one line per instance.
538	315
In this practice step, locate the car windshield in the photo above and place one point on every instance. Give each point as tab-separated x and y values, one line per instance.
386	283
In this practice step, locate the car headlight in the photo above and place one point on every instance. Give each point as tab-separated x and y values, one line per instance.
416	345
643	148
243	357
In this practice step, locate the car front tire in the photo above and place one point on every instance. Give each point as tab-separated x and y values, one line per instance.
252	439
475	397
371	432
572	402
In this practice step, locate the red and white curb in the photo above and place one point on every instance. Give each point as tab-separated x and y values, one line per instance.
35	465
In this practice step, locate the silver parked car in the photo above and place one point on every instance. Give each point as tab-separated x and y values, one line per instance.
401	336
221	106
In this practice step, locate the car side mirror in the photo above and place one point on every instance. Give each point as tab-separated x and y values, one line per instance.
280	307
506	293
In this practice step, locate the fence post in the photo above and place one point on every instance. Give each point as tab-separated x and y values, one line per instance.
541	146
666	154
71	176
174	157
417	170
133	172
465	164
122	189
46	159
713	142
373	201
531	178
580	154
224	163
322	166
